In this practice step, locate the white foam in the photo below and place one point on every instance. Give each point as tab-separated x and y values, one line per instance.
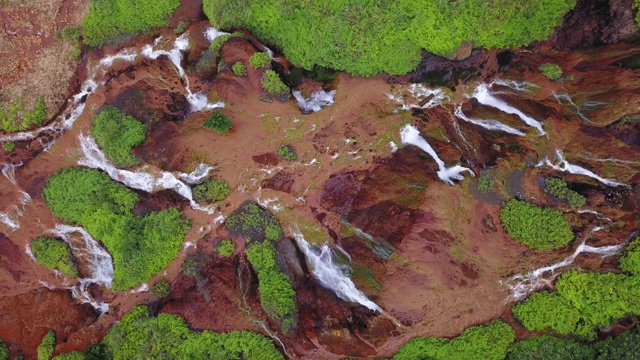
9	171
331	274
410	135
317	101
490	124
419	93
564	166
198	175
127	55
392	145
212	33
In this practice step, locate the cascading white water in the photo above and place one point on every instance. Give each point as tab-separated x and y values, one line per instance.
12	218
9	171
522	285
212	33
146	179
410	135
317	101
198	175
597	214
484	97
331	274
490	124
420	93
99	261
564	166
127	55
564	96
519	86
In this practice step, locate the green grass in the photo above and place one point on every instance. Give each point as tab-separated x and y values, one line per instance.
219	122
273	85
141	246
259	59
366	37
539	228
485	183
14	118
117	133
54	254
111	21
630	260
211	190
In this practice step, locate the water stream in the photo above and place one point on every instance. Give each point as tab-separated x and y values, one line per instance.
317	101
332	275
489	124
410	135
563	165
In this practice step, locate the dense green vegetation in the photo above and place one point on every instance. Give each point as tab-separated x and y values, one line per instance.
583	301
54	254
626	346
141	246
45	349
273	85
218	122
286	152
9	146
485	183
141	336
365	37
551	71
161	288
261	229
549	347
110	21
212	190
239	69
10	116
4	351
117	133
630	260
488	342
558	188
226	248
259	59
539	228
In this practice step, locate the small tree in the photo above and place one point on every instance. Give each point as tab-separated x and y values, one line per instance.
485	183
551	71
212	190
259	59
272	84
9	146
45	349
226	248
161	288
218	122
190	266
286	152
239	69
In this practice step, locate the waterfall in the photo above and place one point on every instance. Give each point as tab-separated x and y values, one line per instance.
426	97
565	166
490	124
331	274
519	86
522	285
146	179
12	218
484	97
9	172
564	96
100	265
127	55
317	101
198	175
410	135
212	33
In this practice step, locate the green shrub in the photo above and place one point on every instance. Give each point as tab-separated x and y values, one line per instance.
489	342
226	248
551	71
181	27
583	302
285	152
636	6
74	355
45	349
272	84
9	146
239	69
141	336
161	288
367	37
141	246
558	188
625	346
259	59
4	351
276	294
485	183
212	190
253	223
539	228
218	122
10	116
191	266
69	33
117	133
54	254
630	260
549	347
110	21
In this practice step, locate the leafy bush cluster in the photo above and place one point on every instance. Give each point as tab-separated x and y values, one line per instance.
485	183
117	133
10	116
549	347
239	69
551	71
261	229
141	246
488	342
161	288
259	59
286	152
218	122
558	188
45	349
365	37
141	336
273	85
109	21
226	248
212	190
630	260
54	254
539	228
9	146
4	351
